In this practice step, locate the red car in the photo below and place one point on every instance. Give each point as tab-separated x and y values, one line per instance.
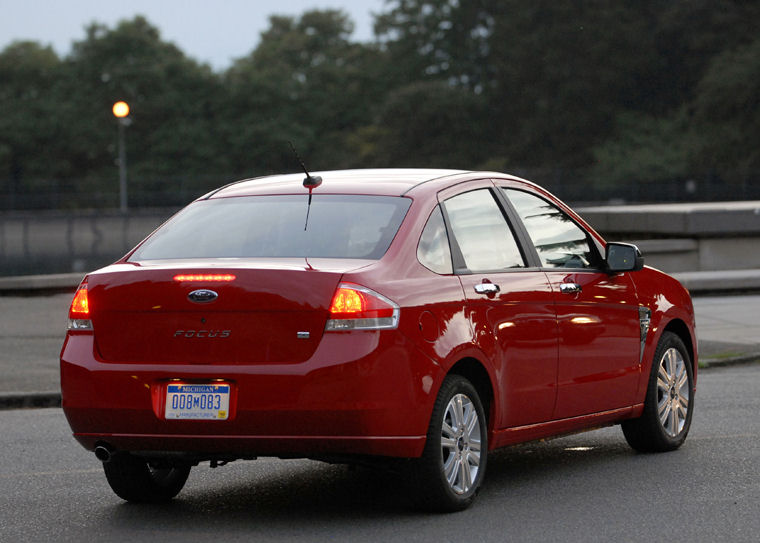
430	315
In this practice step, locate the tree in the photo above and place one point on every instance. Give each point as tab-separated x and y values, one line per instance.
646	91
689	34
447	40
702	117
563	70
174	106
307	83
645	150
726	110
427	124
553	74
29	104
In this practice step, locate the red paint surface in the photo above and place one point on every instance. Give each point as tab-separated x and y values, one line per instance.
555	362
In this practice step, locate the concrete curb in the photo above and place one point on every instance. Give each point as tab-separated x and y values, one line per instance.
24	400
709	363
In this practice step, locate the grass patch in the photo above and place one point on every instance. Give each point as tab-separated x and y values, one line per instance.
723	356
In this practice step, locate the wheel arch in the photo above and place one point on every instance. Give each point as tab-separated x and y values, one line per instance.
474	371
679	328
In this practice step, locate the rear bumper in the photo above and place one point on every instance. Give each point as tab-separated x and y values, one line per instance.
227	446
366	393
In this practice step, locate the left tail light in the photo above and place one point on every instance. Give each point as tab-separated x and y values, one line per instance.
79	311
355	307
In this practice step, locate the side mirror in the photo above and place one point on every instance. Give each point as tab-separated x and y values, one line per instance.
622	257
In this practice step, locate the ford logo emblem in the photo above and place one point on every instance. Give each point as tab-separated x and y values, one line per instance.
202	296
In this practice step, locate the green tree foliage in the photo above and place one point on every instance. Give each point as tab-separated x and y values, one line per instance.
305	82
702	115
614	85
726	110
29	101
426	124
443	39
174	105
646	148
563	71
689	34
623	93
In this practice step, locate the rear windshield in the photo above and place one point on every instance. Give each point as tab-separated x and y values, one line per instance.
339	226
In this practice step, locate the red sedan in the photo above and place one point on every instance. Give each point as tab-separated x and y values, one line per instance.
430	315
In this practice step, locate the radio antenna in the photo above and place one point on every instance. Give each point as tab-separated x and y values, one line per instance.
310	182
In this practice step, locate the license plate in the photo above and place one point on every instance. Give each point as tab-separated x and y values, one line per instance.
197	402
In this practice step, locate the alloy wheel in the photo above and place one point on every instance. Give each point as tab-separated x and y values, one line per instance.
673	394
460	444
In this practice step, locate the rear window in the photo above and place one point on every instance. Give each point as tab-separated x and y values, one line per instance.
339	226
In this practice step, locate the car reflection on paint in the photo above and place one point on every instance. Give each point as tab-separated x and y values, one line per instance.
427	315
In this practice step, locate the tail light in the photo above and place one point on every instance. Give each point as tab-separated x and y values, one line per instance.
355	307
79	312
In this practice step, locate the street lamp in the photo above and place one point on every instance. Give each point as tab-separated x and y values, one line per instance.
121	112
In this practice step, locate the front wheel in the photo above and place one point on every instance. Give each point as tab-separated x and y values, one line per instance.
449	474
135	479
669	402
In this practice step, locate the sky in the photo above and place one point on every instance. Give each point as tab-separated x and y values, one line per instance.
210	31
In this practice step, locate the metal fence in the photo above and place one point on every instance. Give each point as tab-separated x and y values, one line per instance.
579	188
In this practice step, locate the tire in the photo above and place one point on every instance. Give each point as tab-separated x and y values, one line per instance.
448	475
669	402
136	480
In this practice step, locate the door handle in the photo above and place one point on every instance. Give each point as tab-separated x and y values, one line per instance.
570	288
486	288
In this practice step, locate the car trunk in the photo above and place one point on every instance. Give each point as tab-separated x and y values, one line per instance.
269	314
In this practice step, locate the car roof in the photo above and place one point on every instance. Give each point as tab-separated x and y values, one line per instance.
385	182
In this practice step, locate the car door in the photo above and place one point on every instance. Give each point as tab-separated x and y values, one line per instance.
508	304
597	312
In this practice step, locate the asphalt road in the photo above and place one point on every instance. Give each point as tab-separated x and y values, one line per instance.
32	329
588	487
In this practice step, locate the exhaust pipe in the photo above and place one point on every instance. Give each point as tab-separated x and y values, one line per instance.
103	453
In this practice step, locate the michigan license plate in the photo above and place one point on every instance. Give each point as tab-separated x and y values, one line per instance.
197	402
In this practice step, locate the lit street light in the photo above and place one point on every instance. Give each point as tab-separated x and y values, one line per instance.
121	112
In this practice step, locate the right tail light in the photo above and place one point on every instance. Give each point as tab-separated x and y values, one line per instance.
355	307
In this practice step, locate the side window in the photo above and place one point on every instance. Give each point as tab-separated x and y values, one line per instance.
433	251
482	233
559	241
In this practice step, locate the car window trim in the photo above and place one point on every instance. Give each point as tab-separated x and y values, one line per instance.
530	253
589	238
439	207
460	268
457	258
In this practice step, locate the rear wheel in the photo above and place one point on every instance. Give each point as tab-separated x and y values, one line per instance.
135	479
669	402
453	463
